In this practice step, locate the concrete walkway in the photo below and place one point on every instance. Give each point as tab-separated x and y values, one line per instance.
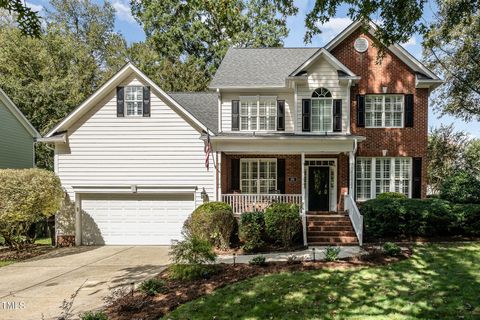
304	255
36	288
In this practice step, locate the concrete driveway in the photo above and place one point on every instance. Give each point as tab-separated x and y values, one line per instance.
36	289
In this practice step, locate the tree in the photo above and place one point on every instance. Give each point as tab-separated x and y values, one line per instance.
28	20
450	41
26	197
445	154
472	157
195	35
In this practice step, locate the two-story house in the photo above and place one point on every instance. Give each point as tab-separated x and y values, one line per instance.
319	127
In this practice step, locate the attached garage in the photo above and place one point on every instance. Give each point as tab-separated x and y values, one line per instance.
134	219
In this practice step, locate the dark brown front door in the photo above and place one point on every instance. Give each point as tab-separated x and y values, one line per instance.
318	188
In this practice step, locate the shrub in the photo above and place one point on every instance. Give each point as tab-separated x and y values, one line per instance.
391	249
251	230
283	223
258	261
331	254
188	272
212	221
461	187
469	216
192	250
152	287
391	195
91	315
26	197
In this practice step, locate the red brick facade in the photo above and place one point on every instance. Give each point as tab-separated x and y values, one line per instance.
394	74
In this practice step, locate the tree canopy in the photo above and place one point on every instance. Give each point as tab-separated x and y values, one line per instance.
28	20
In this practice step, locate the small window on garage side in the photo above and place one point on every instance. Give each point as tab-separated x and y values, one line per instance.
134	101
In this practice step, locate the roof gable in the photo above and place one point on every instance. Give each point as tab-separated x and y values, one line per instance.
112	83
5	100
329	57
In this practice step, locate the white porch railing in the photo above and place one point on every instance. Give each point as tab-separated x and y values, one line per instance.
355	217
241	202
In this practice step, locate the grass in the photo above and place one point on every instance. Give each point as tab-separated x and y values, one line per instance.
437	282
4	263
44	241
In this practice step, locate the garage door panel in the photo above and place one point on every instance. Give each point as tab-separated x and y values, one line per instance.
152	219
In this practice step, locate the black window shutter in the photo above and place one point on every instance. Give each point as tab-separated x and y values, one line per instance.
235	171
235	115
281	115
281	175
409	110
417	178
306	115
337	115
146	101
360	111
120	102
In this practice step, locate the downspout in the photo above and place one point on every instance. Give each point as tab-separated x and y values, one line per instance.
219	110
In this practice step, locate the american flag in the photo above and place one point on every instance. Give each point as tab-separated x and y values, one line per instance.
208	149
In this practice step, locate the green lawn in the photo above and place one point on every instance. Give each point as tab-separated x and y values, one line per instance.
438	282
4	263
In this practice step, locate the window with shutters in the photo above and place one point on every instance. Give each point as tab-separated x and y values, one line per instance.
134	100
384	111
378	175
322	111
258	175
258	113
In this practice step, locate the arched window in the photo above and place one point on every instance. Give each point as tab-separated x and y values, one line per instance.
321	93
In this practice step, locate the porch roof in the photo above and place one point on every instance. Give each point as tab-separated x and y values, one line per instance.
291	143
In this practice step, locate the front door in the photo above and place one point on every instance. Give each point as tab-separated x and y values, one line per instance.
318	188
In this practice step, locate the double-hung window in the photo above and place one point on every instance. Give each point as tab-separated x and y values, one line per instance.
384	111
322	110
134	100
378	175
258	113
258	175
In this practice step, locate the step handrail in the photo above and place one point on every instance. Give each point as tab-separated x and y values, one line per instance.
355	217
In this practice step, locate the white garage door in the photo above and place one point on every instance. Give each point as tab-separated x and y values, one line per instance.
135	219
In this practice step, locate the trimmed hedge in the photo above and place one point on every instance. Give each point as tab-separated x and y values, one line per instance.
397	217
252	231
283	223
213	222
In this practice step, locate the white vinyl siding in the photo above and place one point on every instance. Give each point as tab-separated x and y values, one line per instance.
258	175
258	113
163	150
378	175
322	74
384	111
270	120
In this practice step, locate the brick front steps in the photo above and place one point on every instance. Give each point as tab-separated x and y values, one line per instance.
330	228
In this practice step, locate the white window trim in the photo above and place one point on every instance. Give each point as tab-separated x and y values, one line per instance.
257	98
125	110
258	160
383	110
311	114
392	175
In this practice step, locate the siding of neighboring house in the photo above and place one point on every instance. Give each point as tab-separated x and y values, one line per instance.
227	98
398	78
322	74
161	150
16	143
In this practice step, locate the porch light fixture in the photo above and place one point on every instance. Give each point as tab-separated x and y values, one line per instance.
384	89
313	251
133	188
384	152
204	195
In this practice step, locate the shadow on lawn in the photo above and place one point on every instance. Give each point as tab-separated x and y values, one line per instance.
438	282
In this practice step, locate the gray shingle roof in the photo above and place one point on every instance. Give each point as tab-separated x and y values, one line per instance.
202	105
247	67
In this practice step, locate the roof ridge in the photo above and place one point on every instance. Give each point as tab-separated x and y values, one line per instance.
283	48
191	92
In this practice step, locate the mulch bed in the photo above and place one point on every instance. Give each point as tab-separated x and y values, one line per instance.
137	306
27	253
416	240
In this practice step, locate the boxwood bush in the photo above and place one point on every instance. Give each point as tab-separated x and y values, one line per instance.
251	231
396	217
283	223
213	222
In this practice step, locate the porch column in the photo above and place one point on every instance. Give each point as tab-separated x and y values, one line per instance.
219	176
303	210
351	184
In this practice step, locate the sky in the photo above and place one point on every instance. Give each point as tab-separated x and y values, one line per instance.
133	32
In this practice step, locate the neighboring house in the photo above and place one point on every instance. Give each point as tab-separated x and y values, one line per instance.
320	127
17	136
